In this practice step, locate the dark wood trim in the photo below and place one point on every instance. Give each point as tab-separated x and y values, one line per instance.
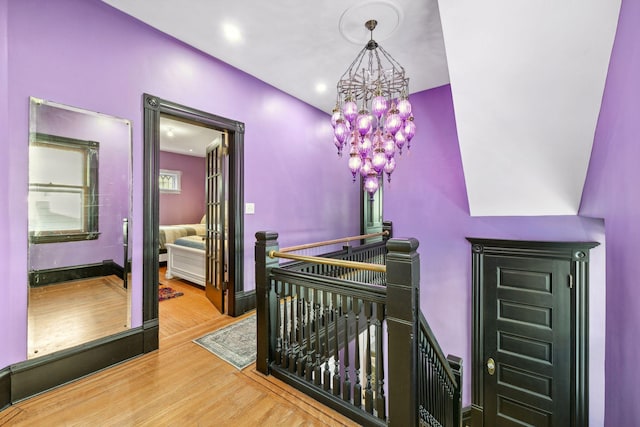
151	204
245	301
74	272
334	402
472	416
578	254
151	330
35	376
153	108
580	318
5	388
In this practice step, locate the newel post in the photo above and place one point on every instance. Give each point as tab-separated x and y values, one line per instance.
266	241
403	308
456	366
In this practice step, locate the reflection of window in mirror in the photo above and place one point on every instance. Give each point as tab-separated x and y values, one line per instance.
170	181
63	201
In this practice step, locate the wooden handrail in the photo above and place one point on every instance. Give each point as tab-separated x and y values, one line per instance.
332	242
329	261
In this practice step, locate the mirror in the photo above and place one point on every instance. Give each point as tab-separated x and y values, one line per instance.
79	211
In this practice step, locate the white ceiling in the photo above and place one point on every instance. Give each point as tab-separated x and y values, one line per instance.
527	77
177	136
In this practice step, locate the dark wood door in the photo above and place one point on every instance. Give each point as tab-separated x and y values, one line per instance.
527	341
216	247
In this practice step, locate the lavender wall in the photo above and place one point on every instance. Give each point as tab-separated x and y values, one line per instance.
188	206
114	137
14	327
86	54
427	199
611	191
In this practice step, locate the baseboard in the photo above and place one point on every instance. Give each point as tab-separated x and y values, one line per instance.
151	340
5	388
472	416
63	274
244	302
35	376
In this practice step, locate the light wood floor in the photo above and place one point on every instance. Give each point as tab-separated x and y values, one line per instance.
181	384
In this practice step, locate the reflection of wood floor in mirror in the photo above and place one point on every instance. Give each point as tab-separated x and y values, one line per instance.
66	314
180	384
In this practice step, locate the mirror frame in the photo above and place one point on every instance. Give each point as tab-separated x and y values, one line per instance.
239	301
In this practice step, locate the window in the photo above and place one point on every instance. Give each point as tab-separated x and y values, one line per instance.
170	181
63	189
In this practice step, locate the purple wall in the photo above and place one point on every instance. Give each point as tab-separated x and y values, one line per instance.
188	206
427	199
89	55
114	137
14	326
611	191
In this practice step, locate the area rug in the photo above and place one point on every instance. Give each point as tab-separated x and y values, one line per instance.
235	344
166	292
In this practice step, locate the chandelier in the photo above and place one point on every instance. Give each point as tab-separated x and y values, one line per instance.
372	118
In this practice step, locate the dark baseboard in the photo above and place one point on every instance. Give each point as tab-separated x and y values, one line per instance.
5	388
63	274
35	376
245	301
472	416
151	332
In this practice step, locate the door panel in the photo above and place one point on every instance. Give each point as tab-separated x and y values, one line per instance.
527	321
215	265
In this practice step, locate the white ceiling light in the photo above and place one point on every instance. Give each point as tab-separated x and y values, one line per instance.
231	32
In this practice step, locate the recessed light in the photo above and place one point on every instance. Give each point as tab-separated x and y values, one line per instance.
231	32
321	87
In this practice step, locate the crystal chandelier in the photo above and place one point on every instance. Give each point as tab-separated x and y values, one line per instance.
372	117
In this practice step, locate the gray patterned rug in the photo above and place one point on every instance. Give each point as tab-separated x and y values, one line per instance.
235	344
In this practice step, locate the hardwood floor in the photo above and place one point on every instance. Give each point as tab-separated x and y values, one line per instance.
181	384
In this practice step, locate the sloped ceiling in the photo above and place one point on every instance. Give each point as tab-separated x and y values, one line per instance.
527	76
527	79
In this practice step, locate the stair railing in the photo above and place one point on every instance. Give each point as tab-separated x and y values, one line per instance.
360	348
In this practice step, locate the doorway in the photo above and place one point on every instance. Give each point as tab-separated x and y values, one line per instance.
237	302
371	215
530	333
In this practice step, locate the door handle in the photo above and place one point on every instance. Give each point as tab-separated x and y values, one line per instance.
491	366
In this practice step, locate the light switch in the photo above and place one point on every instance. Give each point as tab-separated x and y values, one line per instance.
249	208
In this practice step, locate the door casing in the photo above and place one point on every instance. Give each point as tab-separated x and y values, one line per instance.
153	108
577	253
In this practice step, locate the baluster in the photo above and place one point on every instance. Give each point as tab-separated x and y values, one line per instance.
336	354
287	326
381	410
357	388
278	352
368	393
328	310
294	329
311	302
434	390
319	299
300	316
346	389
